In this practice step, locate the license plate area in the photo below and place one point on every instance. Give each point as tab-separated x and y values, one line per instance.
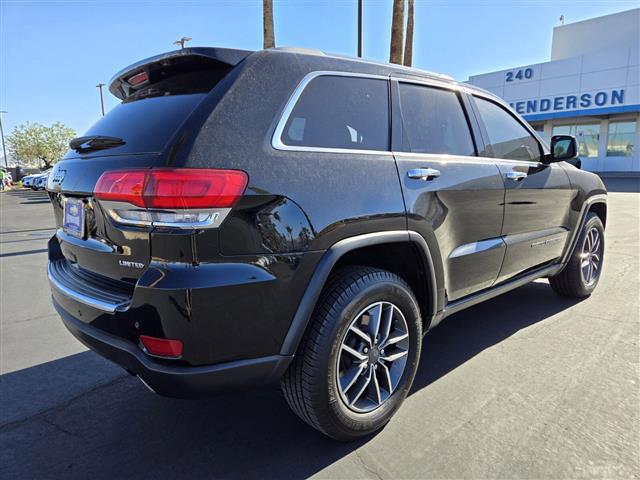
73	217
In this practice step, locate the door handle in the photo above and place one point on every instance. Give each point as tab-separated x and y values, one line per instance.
517	176
423	173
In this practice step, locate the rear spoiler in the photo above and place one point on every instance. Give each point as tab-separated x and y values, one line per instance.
127	81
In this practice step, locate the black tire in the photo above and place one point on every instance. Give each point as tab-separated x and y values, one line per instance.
310	384
571	282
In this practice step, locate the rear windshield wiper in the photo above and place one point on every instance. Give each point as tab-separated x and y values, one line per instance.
94	142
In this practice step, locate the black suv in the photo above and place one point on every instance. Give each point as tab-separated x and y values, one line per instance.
247	217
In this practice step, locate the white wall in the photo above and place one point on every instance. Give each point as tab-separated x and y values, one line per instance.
604	71
618	30
589	57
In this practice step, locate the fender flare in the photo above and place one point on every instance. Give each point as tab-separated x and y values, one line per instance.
586	206
327	262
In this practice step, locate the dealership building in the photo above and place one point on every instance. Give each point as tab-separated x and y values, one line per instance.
589	89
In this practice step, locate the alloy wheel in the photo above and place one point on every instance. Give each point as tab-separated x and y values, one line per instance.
372	358
591	257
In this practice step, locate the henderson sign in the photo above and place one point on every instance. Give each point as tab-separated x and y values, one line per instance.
570	102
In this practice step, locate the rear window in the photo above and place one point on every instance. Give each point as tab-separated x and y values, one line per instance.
340	112
145	125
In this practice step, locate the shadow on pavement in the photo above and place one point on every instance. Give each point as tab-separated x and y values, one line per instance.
31	231
464	335
23	252
30	197
106	423
622	184
35	202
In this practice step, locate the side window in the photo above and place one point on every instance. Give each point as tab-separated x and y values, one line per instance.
340	112
507	137
433	121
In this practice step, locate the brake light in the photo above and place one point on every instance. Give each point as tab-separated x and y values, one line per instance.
162	347
182	197
138	78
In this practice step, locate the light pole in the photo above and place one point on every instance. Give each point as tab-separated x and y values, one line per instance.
4	149
182	41
359	28
99	86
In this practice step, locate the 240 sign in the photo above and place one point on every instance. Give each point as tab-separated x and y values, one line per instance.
523	73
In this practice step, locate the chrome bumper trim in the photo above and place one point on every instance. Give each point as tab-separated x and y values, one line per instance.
104	305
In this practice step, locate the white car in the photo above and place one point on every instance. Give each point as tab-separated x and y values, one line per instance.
27	180
31	181
40	183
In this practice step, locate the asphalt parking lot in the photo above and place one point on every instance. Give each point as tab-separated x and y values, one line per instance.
527	385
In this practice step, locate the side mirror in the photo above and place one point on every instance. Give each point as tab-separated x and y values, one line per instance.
563	147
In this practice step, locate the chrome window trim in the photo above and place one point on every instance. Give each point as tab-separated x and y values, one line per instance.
443	157
431	82
276	139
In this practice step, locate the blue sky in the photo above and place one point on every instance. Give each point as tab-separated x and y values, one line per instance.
53	53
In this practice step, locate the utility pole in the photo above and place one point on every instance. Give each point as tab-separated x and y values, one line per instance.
359	28
4	149
182	41
99	86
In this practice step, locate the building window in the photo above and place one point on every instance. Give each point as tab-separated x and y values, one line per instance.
587	136
621	139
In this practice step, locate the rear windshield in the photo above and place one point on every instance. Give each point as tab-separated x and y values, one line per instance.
145	125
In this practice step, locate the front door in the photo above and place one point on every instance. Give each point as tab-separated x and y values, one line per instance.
537	195
451	194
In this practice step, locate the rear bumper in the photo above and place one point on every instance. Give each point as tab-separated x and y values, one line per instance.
178	381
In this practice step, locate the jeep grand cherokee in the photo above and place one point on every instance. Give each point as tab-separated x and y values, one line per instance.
285	215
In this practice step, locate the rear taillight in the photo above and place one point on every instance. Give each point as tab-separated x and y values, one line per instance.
180	197
162	347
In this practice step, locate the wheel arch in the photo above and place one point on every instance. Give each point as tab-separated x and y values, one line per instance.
600	209
352	251
595	203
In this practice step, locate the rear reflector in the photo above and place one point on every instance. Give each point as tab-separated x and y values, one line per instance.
162	347
178	188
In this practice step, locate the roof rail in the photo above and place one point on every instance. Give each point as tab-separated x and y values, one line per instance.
306	51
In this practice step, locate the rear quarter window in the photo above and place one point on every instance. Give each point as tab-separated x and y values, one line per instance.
340	112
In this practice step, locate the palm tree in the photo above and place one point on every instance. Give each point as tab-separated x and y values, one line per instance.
269	40
408	45
397	32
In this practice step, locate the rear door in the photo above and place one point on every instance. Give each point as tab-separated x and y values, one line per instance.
537	194
450	191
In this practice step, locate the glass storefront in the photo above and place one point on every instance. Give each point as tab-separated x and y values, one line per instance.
621	139
586	134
